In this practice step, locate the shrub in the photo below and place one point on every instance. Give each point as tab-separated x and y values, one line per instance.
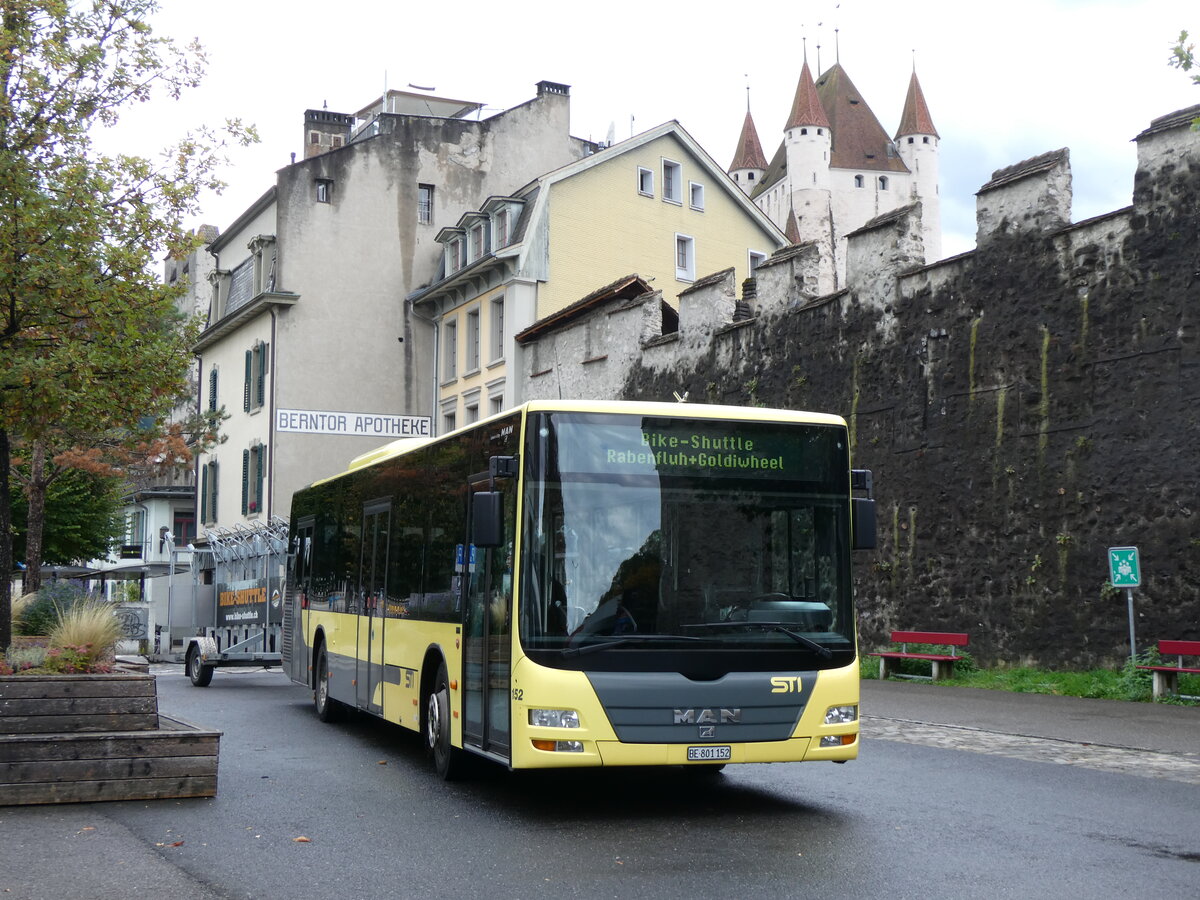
18	659
85	638
41	613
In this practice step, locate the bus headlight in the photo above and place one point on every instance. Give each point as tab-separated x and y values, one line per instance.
554	718
559	746
840	715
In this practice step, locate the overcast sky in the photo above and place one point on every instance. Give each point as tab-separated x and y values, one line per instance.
1003	81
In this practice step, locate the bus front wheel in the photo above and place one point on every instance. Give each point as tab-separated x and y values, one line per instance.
447	759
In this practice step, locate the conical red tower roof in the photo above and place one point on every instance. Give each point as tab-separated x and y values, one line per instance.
749	153
915	119
806	108
792	230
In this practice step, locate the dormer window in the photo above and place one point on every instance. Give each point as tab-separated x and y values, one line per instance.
476	242
502	228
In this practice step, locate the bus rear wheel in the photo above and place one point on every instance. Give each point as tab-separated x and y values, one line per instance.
447	759
328	709
198	673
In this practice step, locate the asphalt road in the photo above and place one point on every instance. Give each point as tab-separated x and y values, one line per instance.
915	816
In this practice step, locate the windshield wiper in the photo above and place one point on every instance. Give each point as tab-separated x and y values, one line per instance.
820	649
628	639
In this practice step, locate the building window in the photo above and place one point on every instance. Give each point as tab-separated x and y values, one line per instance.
749	176
212	389
924	140
314	137
858	181
183	526
497	329
685	258
447	422
337	141
253	467
672	181
458	254
756	260
497	404
208	492
472	414
472	364
450	351
254	390
695	195
324	190
476	242
883	182
645	182
425	203
502	228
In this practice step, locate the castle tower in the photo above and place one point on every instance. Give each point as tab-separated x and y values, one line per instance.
807	148
917	141
749	163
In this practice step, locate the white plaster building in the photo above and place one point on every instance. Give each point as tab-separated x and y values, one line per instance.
310	348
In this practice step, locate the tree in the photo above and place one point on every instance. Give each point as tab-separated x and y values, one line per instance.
82	517
91	350
1183	57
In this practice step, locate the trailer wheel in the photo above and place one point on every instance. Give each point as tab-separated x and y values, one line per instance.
328	709
200	674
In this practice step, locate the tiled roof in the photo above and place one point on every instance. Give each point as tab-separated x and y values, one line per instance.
806	107
749	153
625	288
859	141
915	119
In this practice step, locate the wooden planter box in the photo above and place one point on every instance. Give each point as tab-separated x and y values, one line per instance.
75	738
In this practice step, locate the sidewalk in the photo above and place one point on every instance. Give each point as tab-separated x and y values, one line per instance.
1157	727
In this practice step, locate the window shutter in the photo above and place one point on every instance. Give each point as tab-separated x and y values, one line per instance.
204	494
262	374
245	481
212	389
258	491
246	386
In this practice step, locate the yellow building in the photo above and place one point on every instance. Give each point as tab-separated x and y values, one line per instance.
656	205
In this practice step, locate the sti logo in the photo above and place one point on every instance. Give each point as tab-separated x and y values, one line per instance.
787	684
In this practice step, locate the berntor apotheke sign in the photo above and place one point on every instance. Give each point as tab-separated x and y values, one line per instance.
361	424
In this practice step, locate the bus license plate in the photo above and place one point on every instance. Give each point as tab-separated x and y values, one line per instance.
708	754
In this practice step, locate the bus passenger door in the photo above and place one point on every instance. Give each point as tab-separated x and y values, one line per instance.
295	647
487	633
372	581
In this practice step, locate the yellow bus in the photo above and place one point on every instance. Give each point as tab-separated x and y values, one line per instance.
590	584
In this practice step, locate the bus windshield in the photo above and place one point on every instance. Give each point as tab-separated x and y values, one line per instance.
647	541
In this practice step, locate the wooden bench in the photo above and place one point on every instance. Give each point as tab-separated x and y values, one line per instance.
943	663
1166	678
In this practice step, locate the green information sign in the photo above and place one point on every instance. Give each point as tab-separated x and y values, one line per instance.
1123	567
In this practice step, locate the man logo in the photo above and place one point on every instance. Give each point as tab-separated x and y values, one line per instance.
707	716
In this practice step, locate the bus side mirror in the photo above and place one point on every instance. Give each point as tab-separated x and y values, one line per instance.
487	519
864	523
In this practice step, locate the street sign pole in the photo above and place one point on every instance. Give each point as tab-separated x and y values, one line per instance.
1132	639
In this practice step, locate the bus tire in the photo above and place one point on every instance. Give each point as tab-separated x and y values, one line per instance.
448	760
328	709
198	673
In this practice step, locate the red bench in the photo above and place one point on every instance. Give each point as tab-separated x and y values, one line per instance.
943	663
1166	678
